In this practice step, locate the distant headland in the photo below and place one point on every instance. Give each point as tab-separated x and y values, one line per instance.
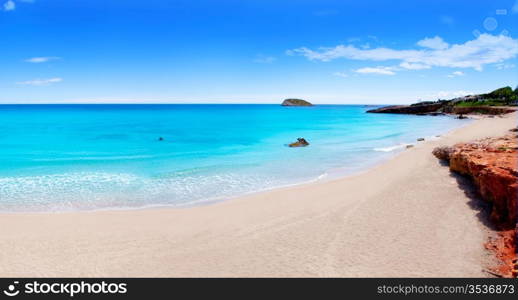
497	102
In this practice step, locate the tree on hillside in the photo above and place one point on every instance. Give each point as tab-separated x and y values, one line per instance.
505	94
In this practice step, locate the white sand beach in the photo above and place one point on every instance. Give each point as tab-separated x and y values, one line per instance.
405	217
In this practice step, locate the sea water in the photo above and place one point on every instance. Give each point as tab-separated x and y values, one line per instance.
88	157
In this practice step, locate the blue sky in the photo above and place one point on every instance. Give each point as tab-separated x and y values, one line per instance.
261	51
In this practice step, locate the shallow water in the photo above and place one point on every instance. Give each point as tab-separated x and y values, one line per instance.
82	157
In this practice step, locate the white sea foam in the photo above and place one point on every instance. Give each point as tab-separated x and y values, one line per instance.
391	148
322	176
98	190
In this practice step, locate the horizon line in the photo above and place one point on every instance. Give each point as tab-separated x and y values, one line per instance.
182	103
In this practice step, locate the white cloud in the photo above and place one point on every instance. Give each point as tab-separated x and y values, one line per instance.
376	70
9	5
41	59
449	94
40	82
351	52
456	74
264	59
503	66
340	74
485	49
412	66
436	43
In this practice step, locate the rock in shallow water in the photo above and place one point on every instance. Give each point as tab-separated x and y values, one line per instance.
301	142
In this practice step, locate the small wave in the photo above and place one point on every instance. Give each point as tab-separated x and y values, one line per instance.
391	148
322	176
99	190
88	158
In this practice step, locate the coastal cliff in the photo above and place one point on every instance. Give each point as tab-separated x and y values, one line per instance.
408	109
497	102
492	164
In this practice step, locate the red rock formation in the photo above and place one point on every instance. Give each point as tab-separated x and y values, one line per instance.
504	248
492	163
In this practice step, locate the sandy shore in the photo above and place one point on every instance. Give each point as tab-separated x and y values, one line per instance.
406	217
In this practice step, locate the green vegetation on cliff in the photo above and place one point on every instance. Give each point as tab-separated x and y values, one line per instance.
480	103
495	102
499	97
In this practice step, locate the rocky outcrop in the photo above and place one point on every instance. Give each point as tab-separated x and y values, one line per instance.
492	163
296	102
503	245
443	152
301	142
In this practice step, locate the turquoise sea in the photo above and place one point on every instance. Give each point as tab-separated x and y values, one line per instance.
87	157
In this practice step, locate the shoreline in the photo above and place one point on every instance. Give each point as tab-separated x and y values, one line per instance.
368	224
336	173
